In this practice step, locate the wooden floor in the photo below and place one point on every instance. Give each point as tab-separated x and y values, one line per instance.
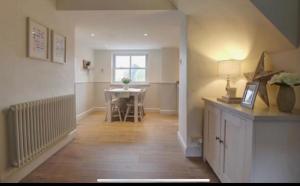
149	150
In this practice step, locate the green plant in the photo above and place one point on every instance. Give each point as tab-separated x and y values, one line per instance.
285	79
126	81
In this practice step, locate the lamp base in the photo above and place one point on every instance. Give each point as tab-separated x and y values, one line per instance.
230	100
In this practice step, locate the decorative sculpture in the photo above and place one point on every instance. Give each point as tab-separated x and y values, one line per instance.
262	76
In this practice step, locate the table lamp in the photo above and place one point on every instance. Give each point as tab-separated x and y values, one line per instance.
229	69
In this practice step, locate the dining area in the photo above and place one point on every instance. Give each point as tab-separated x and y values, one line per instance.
125	104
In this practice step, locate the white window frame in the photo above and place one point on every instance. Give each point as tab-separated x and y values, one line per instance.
129	54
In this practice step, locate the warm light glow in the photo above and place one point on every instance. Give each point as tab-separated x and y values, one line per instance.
238	54
231	53
222	43
146	35
93	35
230	67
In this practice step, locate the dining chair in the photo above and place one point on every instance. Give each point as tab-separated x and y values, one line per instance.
115	105
141	109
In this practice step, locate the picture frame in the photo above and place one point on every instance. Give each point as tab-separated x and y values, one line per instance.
58	48
250	94
37	40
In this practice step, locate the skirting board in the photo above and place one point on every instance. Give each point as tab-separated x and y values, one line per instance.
181	141
152	110
18	174
190	151
99	109
169	112
84	114
103	109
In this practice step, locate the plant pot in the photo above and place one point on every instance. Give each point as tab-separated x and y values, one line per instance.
286	99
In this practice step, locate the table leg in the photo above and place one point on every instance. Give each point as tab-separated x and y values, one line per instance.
136	119
109	118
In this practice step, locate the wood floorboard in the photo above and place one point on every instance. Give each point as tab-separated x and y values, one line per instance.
148	150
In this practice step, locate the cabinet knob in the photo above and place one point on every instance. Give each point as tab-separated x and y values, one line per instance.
221	141
217	138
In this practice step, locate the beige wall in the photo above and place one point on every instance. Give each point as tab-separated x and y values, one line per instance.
83	53
103	59
237	31
23	79
114	5
287	61
102	63
85	94
169	64
84	87
162	76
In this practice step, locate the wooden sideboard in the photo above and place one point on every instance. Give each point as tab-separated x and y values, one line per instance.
250	146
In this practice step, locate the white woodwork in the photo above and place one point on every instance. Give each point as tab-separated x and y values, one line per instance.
213	147
130	92
233	149
260	145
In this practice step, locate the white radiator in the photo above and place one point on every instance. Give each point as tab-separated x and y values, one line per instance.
37	125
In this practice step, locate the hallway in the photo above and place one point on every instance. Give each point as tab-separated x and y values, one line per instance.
122	151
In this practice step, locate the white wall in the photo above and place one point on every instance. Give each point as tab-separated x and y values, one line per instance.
169	57
23	79
237	31
84	87
289	62
83	53
85	94
103	59
183	72
162	76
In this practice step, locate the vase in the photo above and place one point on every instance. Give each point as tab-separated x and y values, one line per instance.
126	86
286	99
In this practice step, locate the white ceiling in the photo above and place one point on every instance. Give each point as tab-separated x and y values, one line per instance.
122	30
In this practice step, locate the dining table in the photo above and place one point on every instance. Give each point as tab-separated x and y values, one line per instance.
121	93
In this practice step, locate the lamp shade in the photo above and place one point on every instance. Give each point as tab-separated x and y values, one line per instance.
230	68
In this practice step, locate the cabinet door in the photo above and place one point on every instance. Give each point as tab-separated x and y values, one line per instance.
212	145
234	157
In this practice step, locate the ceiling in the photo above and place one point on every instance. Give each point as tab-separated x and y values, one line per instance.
115	5
124	30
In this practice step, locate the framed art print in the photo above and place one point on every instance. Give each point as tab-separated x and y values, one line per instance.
37	40
58	48
250	94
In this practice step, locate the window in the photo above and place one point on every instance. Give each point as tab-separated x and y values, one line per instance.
133	66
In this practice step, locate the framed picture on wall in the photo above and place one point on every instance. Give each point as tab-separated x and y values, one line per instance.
37	40
59	48
250	95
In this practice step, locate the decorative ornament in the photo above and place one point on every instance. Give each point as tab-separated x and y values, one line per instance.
262	76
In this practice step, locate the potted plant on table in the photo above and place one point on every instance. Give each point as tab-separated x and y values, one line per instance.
126	81
286	99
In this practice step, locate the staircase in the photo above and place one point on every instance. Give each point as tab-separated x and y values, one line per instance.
284	14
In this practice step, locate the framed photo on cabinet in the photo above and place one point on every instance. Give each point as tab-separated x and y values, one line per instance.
37	40
250	95
58	48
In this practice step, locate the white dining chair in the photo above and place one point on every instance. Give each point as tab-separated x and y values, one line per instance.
115	106
141	109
